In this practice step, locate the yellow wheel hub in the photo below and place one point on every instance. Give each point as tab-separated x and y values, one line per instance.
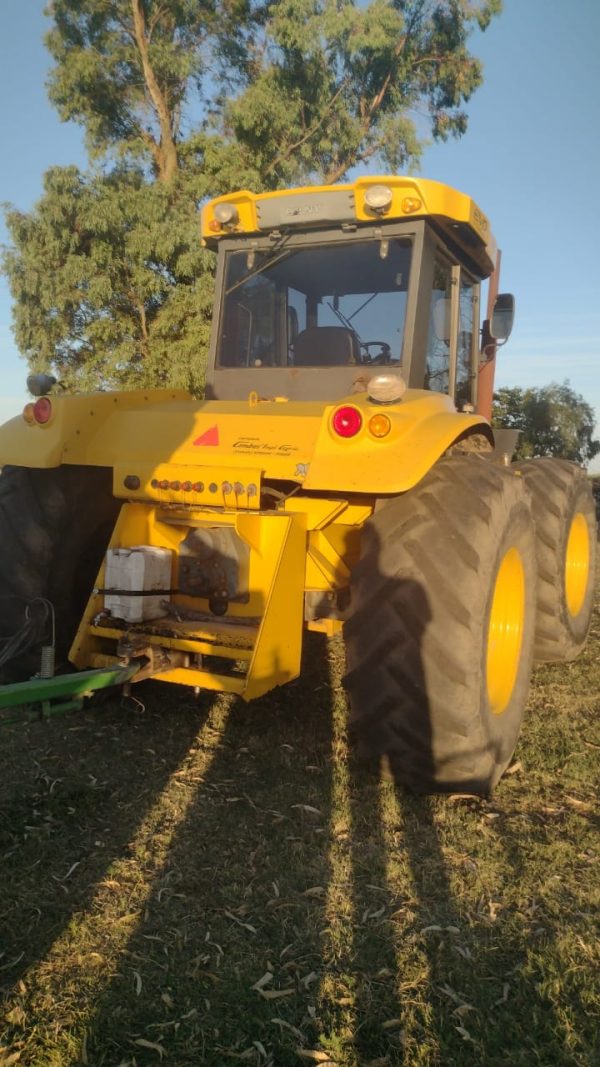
577	564
505	631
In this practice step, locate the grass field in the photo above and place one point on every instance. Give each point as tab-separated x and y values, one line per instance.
208	883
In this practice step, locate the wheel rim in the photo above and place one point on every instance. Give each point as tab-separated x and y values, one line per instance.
577	564
505	632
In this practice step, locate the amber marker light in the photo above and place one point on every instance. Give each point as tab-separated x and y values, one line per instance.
379	425
410	204
214	226
28	413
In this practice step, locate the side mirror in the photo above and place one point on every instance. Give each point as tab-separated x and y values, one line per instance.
503	317
40	384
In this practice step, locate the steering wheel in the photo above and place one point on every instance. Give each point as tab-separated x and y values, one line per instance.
383	355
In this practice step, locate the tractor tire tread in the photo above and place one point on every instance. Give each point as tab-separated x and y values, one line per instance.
557	488
416	653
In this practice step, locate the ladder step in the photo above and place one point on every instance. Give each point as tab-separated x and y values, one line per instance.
235	643
220	683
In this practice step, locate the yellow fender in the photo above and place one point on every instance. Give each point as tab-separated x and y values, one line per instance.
172	433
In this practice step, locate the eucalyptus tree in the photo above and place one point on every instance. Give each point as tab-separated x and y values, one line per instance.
184	99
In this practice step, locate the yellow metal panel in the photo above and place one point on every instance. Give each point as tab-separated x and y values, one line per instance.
424	425
317	511
411	198
70	434
142	433
101	660
195	486
220	683
327	559
194	645
278	647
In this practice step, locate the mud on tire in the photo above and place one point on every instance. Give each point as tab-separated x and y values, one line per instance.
429	682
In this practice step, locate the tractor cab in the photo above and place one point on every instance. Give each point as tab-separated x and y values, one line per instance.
321	289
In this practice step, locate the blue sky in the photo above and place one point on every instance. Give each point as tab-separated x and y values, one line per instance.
530	158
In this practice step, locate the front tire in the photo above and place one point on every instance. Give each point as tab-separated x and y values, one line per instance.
440	643
564	515
54	528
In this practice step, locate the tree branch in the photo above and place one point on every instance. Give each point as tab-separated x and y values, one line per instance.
167	150
283	156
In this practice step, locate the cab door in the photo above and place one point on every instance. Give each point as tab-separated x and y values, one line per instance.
450	301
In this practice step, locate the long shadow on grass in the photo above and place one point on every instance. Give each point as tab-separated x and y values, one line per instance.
432	960
453	963
237	900
298	901
72	793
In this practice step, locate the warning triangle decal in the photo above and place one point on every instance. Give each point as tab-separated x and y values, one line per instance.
209	437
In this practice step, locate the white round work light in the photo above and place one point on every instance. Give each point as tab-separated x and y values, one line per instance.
226	213
379	198
386	388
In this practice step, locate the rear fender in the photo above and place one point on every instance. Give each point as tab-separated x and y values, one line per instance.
421	431
69	435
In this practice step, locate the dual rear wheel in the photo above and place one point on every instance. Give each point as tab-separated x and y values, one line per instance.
565	523
449	612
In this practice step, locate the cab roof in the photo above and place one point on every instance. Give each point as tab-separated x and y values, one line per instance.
315	207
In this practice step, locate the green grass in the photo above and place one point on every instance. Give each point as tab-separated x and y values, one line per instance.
209	883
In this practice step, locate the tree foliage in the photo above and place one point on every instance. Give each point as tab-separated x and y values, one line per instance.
113	284
553	421
184	99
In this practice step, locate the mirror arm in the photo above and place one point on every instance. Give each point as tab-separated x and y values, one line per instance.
489	344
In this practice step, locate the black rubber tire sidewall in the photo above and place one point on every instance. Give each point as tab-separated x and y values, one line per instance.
54	528
417	640
558	491
502	731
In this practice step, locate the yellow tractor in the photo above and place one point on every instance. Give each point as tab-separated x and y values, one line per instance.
340	474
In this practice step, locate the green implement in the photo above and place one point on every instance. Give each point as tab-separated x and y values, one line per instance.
46	691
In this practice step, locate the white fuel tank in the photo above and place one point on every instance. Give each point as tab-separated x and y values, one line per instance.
140	568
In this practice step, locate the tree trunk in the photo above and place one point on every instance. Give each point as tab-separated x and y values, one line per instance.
166	151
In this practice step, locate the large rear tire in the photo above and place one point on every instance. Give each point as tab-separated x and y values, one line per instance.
564	515
54	528
440	642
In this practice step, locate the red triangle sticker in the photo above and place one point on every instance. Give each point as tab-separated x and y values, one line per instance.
209	437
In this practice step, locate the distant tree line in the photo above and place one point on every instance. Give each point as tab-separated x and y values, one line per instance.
553	421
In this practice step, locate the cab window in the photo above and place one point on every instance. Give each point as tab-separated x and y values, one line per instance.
464	352
437	359
330	305
450	358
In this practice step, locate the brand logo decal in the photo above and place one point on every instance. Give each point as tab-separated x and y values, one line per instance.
209	437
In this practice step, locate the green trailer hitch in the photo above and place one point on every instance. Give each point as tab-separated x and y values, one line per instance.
45	697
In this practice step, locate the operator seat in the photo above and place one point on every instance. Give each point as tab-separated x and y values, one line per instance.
326	346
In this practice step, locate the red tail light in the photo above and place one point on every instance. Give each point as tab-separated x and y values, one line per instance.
347	421
42	410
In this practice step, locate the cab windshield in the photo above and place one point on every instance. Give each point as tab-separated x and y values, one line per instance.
315	305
